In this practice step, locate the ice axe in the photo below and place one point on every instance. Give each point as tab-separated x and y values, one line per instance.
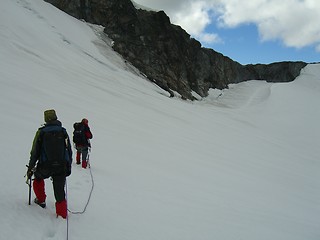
28	182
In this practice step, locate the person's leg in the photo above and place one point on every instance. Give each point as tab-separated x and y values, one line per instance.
78	156
59	194
40	174
61	209
84	157
39	191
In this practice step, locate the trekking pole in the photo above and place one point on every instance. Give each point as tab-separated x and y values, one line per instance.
89	151
28	181
88	159
29	190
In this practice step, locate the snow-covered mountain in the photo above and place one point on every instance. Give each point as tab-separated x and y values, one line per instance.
240	164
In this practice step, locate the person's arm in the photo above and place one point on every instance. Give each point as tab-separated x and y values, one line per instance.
35	150
69	152
88	133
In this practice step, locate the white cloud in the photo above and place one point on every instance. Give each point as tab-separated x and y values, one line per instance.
209	38
293	22
194	17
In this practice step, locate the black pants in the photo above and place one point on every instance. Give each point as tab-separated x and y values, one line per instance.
58	187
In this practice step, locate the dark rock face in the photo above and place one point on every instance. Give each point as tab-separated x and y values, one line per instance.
166	54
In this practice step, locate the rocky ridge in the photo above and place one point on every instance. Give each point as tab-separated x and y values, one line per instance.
166	53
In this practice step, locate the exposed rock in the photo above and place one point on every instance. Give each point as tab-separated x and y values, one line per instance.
166	53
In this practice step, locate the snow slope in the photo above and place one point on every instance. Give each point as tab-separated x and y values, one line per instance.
240	164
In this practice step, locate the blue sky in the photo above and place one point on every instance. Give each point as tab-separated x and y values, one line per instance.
255	31
243	45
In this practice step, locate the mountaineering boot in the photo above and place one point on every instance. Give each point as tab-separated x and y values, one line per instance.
84	163
78	158
41	204
61	209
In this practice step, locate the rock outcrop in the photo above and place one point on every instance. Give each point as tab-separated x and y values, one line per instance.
166	53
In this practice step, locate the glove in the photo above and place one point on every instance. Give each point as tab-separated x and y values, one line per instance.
29	173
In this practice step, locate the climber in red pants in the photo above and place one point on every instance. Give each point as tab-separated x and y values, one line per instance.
51	156
81	139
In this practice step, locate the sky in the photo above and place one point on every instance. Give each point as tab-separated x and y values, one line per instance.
255	31
242	163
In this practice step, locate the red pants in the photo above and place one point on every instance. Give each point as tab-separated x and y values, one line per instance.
38	188
84	160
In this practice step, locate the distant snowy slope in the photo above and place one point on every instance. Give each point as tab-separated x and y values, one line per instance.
240	164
